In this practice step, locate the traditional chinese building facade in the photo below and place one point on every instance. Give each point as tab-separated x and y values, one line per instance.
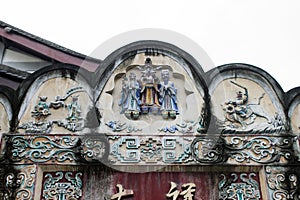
145	123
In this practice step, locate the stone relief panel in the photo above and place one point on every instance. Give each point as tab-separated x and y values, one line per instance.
151	94
59	105
242	105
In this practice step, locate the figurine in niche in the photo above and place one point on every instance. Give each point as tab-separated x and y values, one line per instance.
239	111
168	99
41	110
130	97
149	88
74	110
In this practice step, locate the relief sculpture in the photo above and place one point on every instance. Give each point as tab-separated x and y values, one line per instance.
41	124
130	97
148	94
239	113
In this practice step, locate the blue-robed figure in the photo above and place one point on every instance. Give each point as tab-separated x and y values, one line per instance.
168	98
130	97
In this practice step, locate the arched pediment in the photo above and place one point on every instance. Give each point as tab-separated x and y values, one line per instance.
151	87
245	99
55	100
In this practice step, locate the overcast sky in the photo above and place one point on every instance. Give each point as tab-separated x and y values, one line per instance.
264	33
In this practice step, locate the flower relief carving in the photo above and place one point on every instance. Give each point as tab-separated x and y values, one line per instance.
153	98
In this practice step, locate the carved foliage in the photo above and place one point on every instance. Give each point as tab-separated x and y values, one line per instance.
237	149
44	148
260	149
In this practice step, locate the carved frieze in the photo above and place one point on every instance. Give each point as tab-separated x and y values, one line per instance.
55	104
157	150
147	150
243	149
41	149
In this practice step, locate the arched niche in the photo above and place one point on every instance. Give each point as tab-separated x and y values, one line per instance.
164	85
245	99
56	99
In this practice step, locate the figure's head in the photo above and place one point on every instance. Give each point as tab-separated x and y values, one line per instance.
132	76
43	98
165	74
148	61
75	98
239	94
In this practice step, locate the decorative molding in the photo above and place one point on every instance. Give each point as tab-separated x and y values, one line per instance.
260	149
144	150
244	149
41	149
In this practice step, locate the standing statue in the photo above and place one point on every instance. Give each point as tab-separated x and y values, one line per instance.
168	99
130	97
149	88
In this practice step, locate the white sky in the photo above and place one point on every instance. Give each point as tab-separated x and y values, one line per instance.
264	33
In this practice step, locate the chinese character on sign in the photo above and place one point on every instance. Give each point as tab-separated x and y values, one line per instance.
121	193
187	193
